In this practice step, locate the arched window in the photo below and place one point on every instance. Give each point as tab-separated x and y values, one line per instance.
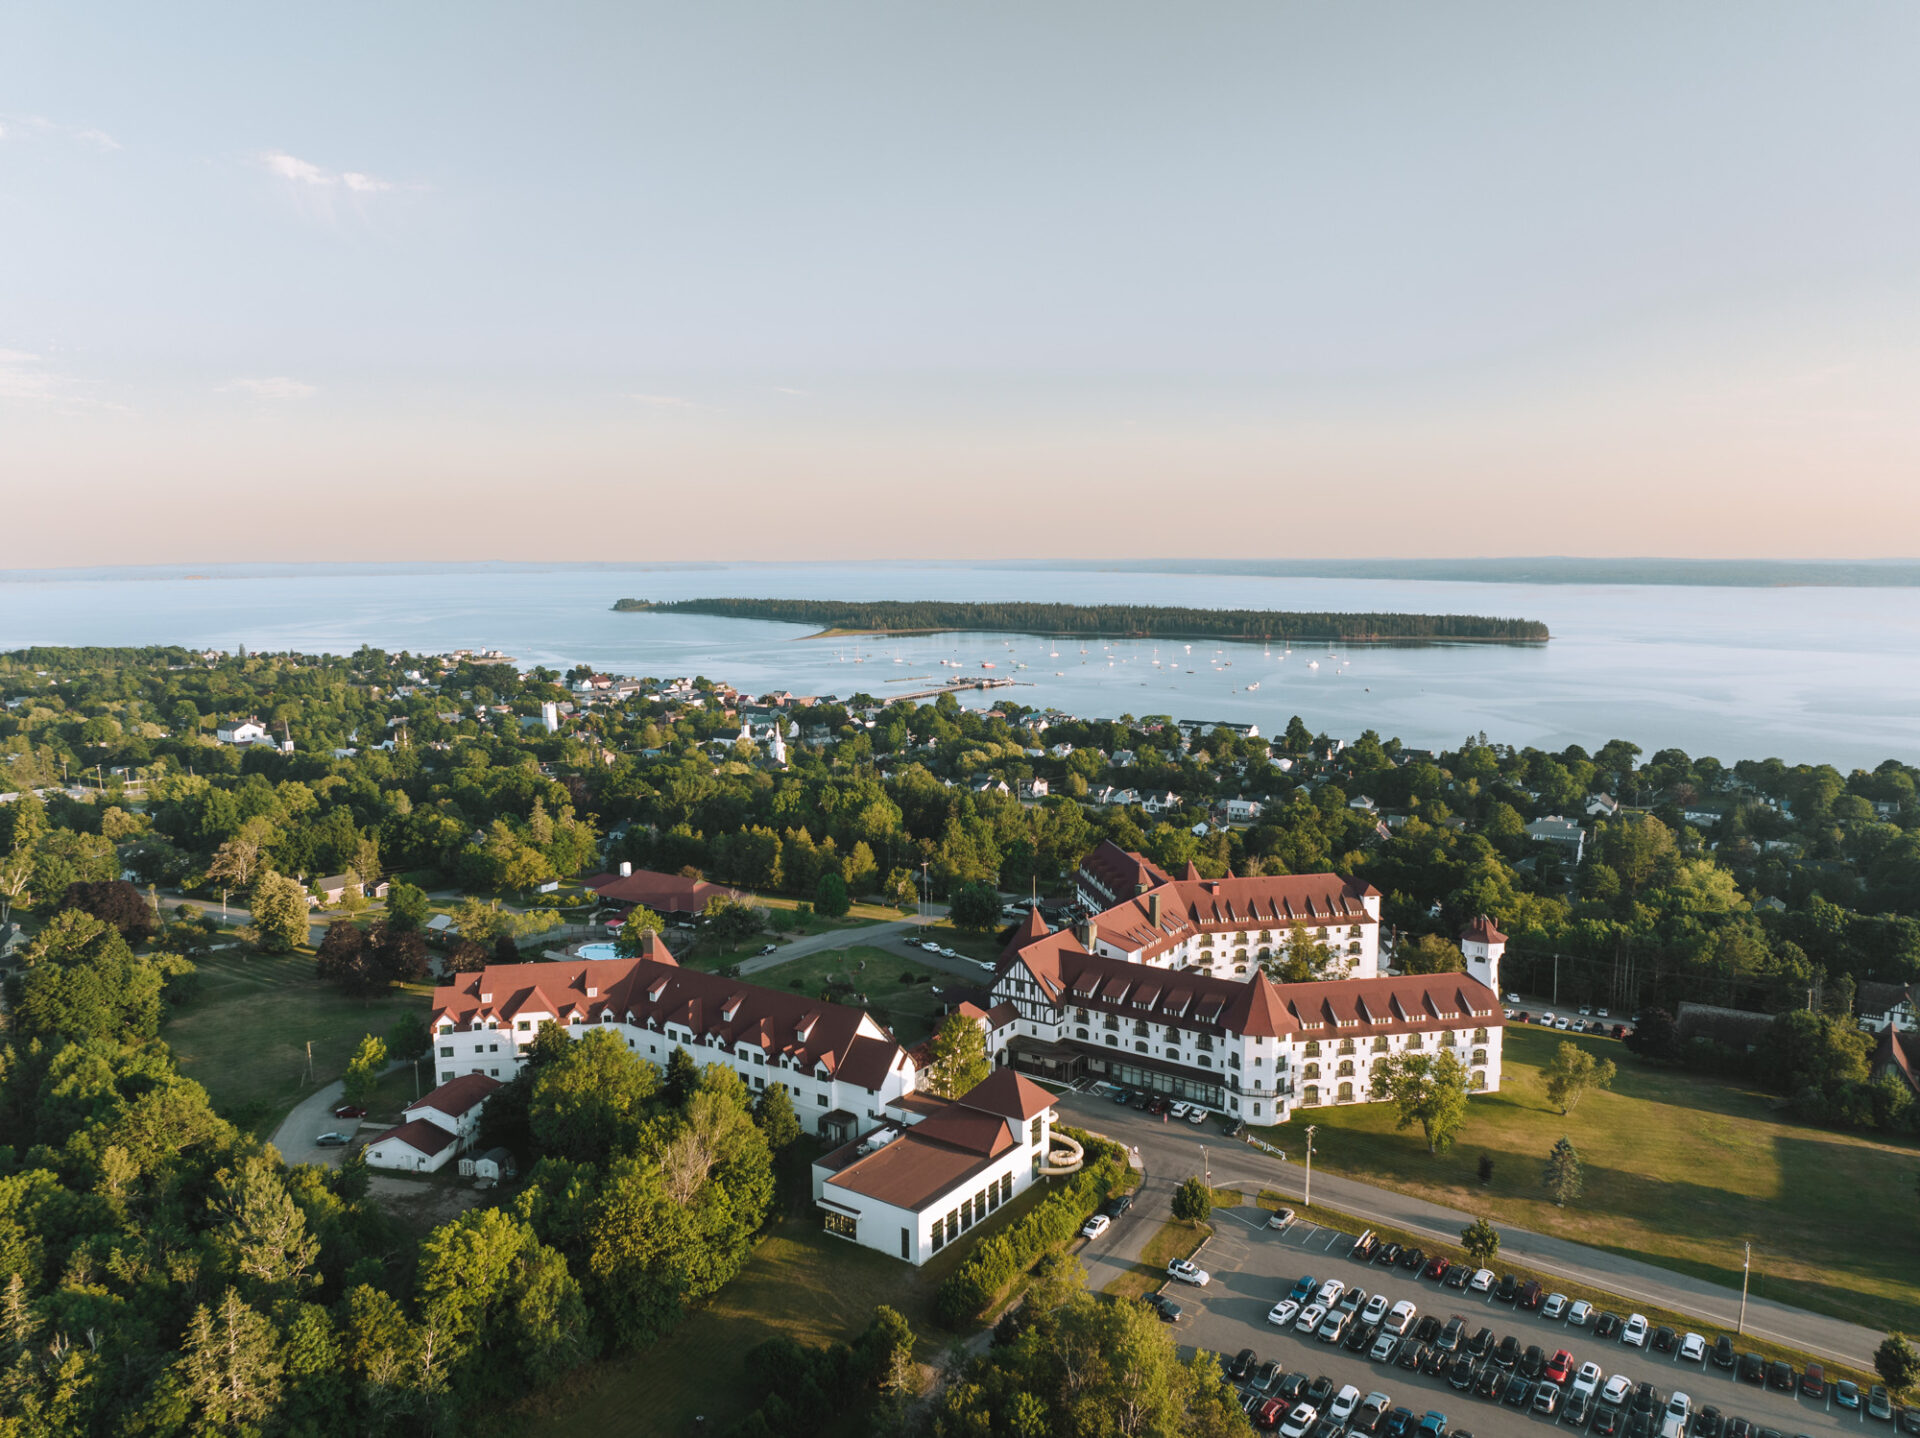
1346	1068
1479	1056
1379	1043
1139	1046
1479	1036
1446	1039
1112	1042
1313	1095
1346	1046
1313	1071
1346	1093
1313	1048
1265	953
1080	1033
1140	1027
1479	1079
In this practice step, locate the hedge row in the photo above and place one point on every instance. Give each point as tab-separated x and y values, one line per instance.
998	1259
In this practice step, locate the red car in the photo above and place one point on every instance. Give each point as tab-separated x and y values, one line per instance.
1532	1295
1270	1413
1560	1366
349	1110
1438	1267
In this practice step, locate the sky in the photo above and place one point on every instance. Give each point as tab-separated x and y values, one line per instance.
897	279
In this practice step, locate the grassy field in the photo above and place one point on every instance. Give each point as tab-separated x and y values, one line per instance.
1175	1238
244	1035
1680	1170
910	1010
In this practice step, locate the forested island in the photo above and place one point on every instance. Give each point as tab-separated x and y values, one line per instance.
1131	621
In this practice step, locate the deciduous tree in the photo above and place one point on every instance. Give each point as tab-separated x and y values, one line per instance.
364	1070
959	1057
279	908
1193	1200
1572	1071
1427	1089
1481	1242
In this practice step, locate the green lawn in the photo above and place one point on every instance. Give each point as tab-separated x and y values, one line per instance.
910	1010
1175	1238
245	1032
1680	1170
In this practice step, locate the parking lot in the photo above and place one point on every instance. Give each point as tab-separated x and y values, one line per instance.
1253	1267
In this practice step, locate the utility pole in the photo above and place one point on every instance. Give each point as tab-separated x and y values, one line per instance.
1307	1200
1746	1269
1556	981
926	902
1206	1167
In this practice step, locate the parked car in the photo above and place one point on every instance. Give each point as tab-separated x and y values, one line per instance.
1196	1115
1179	1110
1506	1290
1458	1276
1532	1295
1372	1413
1709	1422
1304	1288
1588	1379
1533	1363
1673	1423
1460	1372
1351	1299
1616	1390
1413	1259
1481	1344
1298	1422
1400	1422
350	1110
1267	1415
1334	1327
1387	1253
1168	1310
1878	1404
1433	1424
1360	1336
1605	1422
1780	1376
1813	1383
1428	1329
1283	1218
1188	1271
1452	1335
1560	1366
1607	1325
1385	1348
1492	1383
1343	1404
1580	1314
1554	1307
1318	1392
1693	1349
1507	1355
332	1140
1546	1398
1519	1392
1634	1335
1846	1394
1311	1317
1243	1364
1723	1354
1095	1226
1438	1265
1363	1246
1482	1281
1123	1096
1412	1355
1753	1368
1118	1205
1376	1308
1283	1313
1330	1292
1401	1318
1665	1340
1576	1409
1267	1377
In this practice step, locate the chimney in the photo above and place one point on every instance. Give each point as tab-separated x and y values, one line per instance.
1153	910
1087	931
626	869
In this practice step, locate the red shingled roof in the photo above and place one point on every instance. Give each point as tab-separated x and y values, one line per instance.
651	993
1122	871
419	1135
663	893
1273	902
456	1096
1482	931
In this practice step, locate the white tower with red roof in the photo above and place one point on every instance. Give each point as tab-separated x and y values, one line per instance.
1482	945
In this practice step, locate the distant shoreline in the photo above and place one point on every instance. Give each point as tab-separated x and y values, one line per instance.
834	618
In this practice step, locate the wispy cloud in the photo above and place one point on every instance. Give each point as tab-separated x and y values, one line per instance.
785	389
31	379
273	387
663	401
305	172
20	127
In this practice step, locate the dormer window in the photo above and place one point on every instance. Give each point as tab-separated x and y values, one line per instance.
593	991
654	993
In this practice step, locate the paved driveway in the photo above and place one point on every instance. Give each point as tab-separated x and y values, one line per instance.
1252	1266
310	1118
1176	1150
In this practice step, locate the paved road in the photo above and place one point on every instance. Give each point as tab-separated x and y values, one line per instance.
1174	1150
1252	1265
310	1118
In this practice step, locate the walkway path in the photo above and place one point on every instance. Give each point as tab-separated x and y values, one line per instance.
1175	1150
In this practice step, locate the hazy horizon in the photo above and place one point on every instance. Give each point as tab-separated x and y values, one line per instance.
757	283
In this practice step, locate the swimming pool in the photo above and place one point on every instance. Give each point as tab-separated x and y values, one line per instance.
598	951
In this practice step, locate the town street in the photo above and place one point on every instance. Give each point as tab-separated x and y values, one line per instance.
1171	1152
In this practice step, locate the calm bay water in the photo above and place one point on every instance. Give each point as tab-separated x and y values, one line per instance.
1808	675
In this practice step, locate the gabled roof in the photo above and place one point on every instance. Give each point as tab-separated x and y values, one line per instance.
419	1135
663	893
1122	871
1482	931
1271	902
1898	1052
1006	1093
651	993
457	1096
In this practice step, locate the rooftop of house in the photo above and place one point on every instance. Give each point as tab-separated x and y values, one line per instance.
419	1135
457	1096
952	1144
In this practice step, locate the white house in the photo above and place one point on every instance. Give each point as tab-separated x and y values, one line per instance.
435	1128
1564	833
333	888
936	1168
840	1066
1888	1006
1243	811
1602	806
242	731
1035	789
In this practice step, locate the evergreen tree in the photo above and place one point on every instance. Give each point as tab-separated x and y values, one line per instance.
959	1057
1562	1176
1193	1200
683	1076
228	1366
773	1111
